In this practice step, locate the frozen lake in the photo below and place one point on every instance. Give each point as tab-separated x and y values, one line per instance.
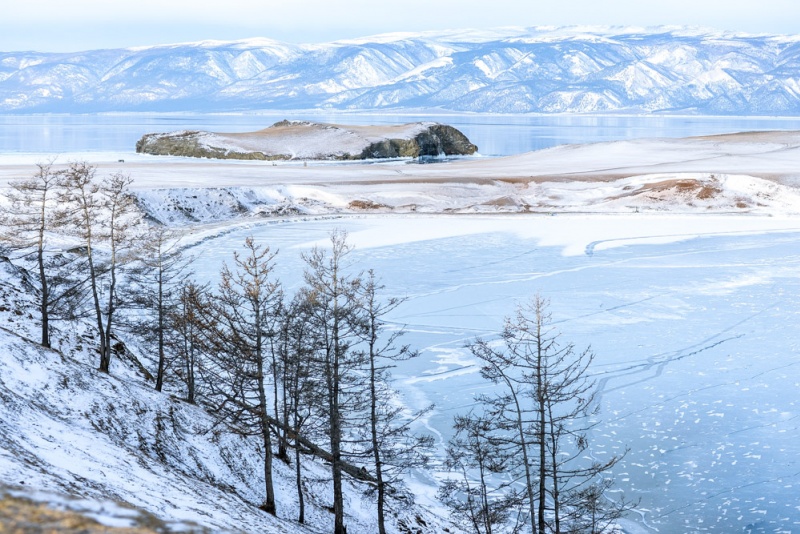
693	319
495	135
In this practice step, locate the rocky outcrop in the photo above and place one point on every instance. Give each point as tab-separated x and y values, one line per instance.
304	140
434	140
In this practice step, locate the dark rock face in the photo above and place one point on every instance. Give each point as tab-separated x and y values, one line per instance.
435	140
427	140
443	139
391	148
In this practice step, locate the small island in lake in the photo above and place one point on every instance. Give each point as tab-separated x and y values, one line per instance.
304	140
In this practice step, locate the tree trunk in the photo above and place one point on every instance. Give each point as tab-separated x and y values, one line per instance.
524	448
358	473
487	518
336	424
282	454
43	287
376	452
106	363
190	388
540	393
301	513
336	457
284	444
161	311
188	341
555	473
44	303
87	222
269	503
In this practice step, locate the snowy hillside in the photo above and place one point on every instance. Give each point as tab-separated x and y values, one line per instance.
513	70
111	447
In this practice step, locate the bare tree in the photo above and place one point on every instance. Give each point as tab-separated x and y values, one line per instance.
334	304
82	207
189	324
103	215
245	314
280	393
394	449
296	353
546	400
119	206
591	511
26	223
160	273
475	498
514	429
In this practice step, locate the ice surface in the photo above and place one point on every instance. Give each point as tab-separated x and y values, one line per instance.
691	318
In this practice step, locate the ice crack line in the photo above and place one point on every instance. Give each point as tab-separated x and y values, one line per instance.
659	365
659	361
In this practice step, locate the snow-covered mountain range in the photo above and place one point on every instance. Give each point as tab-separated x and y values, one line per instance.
511	70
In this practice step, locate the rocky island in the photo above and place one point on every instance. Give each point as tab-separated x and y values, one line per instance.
304	140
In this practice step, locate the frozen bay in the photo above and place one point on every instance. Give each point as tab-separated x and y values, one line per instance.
692	319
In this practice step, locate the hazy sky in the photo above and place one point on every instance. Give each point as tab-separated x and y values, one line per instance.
58	25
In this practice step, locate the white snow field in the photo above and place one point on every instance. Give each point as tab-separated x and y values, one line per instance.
693	319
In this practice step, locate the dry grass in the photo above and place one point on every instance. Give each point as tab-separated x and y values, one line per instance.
366	205
280	129
504	202
696	188
22	516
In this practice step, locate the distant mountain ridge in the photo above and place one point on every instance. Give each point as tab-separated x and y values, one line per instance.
510	70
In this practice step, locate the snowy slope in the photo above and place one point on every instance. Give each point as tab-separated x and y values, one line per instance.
509	70
69	432
689	193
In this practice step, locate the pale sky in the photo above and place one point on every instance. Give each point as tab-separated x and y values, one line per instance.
59	25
